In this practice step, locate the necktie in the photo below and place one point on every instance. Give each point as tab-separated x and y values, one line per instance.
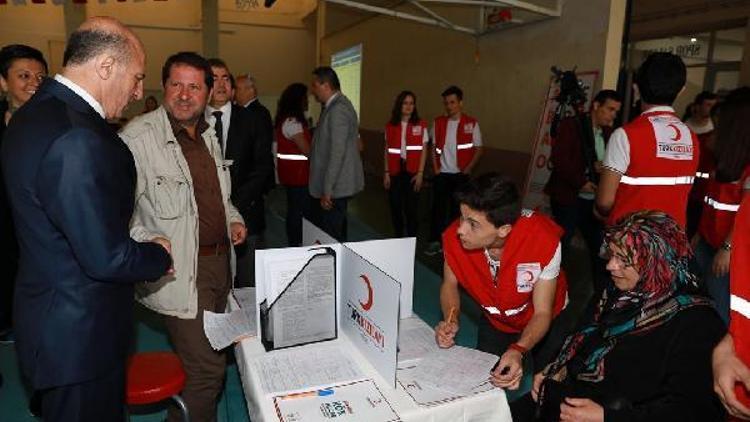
219	128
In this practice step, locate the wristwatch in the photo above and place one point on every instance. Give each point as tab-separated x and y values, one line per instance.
726	245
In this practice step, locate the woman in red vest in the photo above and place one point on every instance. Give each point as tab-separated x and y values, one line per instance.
406	140
293	146
726	187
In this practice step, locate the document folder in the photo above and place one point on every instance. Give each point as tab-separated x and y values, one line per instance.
305	311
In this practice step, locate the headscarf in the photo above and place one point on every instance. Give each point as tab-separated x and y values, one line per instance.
658	246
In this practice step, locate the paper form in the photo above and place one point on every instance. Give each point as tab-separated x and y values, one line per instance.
222	330
415	340
352	402
457	369
306	311
424	394
305	367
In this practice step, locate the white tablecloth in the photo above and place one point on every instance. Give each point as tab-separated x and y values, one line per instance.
489	406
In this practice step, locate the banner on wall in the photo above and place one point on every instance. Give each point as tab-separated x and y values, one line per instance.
540	166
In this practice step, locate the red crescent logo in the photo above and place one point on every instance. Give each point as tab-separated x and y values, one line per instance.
677	133
367	305
528	276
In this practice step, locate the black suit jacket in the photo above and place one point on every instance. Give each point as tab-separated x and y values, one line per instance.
249	145
71	183
573	156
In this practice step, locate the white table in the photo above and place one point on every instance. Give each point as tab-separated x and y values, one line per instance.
489	406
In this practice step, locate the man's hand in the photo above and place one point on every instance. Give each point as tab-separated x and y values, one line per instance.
729	370
417	181
589	187
164	242
239	233
445	334
721	262
326	202
581	410
509	370
386	181
167	245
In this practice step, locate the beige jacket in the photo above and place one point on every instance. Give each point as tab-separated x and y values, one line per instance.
165	206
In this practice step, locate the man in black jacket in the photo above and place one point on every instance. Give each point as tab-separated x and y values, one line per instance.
71	183
246	136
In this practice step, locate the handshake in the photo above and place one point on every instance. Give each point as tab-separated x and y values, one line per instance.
167	245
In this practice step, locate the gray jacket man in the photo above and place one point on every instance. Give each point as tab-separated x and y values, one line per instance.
335	165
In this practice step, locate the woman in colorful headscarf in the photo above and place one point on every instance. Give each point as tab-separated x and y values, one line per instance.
646	353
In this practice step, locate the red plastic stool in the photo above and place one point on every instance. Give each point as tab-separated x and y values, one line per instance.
156	376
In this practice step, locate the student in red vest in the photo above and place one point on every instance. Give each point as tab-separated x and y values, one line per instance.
650	163
293	147
726	187
508	261
457	147
732	356
698	119
406	140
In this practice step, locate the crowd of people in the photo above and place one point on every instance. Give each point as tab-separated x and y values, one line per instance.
176	198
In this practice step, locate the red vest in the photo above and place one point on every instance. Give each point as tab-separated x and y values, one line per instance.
706	164
292	166
663	161
529	248
739	288
414	146
720	205
464	140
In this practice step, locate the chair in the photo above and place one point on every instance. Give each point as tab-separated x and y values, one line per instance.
156	376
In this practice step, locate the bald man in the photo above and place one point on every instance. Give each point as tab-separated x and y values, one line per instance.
71	185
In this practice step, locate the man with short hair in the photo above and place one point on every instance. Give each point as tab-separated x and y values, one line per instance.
457	147
336	172
650	163
183	191
577	154
241	135
508	261
70	183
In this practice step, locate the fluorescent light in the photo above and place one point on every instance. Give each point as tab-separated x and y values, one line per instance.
693	39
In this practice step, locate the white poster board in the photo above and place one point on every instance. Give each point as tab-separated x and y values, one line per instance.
540	166
396	258
369	312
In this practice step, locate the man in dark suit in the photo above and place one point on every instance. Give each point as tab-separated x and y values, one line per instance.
71	183
577	154
245	135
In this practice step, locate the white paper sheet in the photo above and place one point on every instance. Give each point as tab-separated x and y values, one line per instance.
352	402
305	368
281	270
222	330
457	370
415	340
424	394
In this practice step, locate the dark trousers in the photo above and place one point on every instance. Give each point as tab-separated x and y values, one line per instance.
444	205
245	254
204	367
100	399
404	203
333	221
580	215
716	286
297	206
9	266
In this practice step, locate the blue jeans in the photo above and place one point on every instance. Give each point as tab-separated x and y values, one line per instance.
717	287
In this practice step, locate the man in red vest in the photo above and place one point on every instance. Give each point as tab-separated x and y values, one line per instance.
508	261
457	146
650	163
732	356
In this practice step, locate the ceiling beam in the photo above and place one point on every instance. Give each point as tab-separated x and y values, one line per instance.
402	15
529	7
